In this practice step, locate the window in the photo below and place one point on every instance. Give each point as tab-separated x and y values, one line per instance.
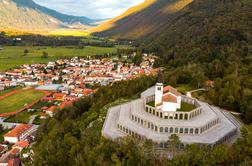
191	131
186	130
152	126
159	88
181	130
148	124
180	116
186	116
155	128
141	121
161	129
166	130
171	130
197	131
132	117
176	130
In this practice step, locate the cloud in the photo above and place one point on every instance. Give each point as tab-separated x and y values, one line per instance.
96	9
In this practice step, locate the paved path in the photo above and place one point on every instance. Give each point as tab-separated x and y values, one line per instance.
32	118
189	94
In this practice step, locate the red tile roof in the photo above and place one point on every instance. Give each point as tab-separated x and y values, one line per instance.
18	130
172	90
22	144
169	98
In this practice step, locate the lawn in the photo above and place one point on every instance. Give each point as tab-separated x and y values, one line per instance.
22	117
185	107
19	100
152	103
183	88
2	134
9	90
13	56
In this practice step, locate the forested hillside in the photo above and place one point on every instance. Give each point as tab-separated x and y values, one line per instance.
144	20
73	137
211	40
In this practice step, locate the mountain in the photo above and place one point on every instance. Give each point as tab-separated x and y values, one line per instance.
213	27
146	19
25	16
62	17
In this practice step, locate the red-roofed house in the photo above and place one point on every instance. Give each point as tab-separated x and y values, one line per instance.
19	133
22	144
59	96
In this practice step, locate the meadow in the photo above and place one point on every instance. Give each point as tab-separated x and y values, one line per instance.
19	100
13	56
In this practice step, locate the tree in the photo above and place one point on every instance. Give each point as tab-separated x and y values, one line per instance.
44	55
173	144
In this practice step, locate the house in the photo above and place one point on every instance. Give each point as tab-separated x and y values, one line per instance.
1	88
21	144
59	96
20	132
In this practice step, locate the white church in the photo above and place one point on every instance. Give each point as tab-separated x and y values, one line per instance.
157	114
167	98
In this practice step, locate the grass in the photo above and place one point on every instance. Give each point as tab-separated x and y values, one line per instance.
152	103
9	90
13	56
183	88
185	107
2	134
22	117
19	100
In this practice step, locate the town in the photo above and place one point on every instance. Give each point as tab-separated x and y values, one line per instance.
62	83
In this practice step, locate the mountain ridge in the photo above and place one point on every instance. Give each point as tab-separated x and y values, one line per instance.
148	19
27	17
60	16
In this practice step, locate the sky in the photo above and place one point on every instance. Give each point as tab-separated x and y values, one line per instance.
96	9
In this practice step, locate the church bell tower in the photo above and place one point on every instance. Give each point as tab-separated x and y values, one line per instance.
158	93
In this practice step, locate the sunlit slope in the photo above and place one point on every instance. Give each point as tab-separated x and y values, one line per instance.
147	19
111	23
17	18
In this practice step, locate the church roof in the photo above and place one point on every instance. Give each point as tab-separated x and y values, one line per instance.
172	90
169	98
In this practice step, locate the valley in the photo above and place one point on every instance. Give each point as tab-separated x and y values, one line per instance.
167	82
13	56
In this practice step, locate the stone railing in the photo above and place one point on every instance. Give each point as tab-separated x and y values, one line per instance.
178	115
173	115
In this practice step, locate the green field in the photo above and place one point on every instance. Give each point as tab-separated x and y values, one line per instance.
13	56
9	90
19	100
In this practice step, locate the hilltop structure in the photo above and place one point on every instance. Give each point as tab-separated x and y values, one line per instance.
162	111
